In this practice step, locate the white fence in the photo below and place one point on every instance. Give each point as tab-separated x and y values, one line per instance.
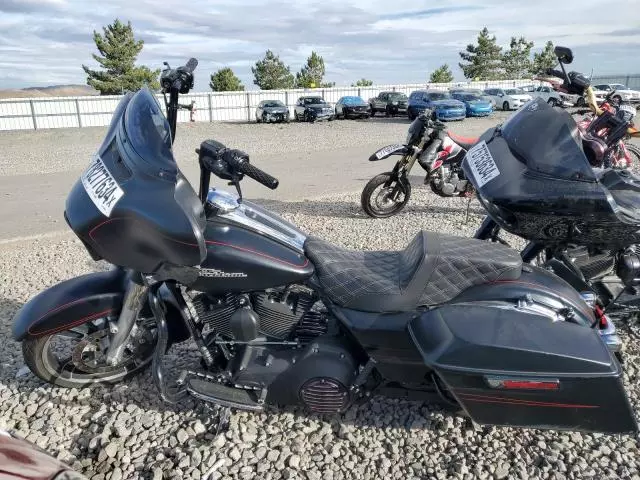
64	112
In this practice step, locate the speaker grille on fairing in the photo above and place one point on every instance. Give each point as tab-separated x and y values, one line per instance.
324	395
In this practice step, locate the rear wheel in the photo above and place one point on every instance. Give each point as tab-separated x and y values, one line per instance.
384	195
76	357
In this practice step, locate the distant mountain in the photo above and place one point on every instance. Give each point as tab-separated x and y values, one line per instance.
50	91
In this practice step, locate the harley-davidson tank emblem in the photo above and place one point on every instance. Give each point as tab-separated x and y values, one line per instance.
214	272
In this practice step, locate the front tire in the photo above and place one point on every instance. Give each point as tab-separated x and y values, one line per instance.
553	102
505	106
78	372
391	199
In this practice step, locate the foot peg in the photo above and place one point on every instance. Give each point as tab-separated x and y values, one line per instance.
223	395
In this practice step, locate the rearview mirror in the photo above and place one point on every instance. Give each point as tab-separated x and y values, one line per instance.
564	54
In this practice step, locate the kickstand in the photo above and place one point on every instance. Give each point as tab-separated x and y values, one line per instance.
466	218
223	420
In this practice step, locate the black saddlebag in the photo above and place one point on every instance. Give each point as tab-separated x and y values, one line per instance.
509	366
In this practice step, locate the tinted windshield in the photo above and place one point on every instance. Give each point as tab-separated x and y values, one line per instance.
397	96
353	101
514	91
148	132
547	141
471	97
274	103
313	100
438	96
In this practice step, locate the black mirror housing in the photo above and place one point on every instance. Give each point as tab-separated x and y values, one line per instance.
564	54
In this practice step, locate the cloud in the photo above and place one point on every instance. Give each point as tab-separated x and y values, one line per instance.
46	41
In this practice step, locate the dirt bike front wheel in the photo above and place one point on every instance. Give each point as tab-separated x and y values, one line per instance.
385	195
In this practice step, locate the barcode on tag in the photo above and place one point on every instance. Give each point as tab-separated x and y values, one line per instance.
482	164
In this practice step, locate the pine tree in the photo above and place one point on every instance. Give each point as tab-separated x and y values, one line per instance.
119	50
363	82
517	60
224	80
544	60
271	73
441	74
311	74
483	60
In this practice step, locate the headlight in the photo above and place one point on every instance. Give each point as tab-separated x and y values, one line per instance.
394	103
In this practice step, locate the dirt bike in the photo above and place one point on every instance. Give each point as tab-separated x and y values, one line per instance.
283	318
436	150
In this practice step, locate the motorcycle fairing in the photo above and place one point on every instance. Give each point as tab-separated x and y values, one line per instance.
517	368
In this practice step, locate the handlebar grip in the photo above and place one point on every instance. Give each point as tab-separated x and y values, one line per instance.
191	65
555	73
239	161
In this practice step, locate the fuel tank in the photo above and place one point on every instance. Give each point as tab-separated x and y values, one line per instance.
249	248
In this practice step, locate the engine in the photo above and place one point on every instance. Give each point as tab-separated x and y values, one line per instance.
298	362
449	181
292	313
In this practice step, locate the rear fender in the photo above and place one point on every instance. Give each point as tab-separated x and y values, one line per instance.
389	150
79	300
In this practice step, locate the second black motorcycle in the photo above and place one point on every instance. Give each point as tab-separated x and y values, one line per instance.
534	177
438	152
283	318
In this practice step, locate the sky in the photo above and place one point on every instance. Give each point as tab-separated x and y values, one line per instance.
45	42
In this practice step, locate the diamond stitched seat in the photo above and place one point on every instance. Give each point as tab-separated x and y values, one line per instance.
432	269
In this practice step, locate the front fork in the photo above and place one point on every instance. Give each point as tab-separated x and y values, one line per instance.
134	299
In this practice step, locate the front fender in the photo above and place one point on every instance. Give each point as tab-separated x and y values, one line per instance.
389	150
70	303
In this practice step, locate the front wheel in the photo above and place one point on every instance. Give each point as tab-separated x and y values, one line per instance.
75	358
634	153
552	101
385	195
505	106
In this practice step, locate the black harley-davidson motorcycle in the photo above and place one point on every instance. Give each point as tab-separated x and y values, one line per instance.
438	151
581	223
280	317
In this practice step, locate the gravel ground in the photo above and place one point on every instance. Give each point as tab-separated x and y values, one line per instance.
126	432
60	150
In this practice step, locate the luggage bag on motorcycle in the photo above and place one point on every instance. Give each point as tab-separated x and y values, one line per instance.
524	364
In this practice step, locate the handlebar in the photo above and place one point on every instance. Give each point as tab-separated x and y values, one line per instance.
239	161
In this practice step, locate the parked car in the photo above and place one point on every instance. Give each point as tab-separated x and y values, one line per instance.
22	460
476	91
600	96
623	93
389	103
475	105
508	98
352	107
272	111
312	108
548	94
443	106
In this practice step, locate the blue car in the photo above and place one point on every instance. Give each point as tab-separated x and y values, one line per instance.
475	104
441	103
